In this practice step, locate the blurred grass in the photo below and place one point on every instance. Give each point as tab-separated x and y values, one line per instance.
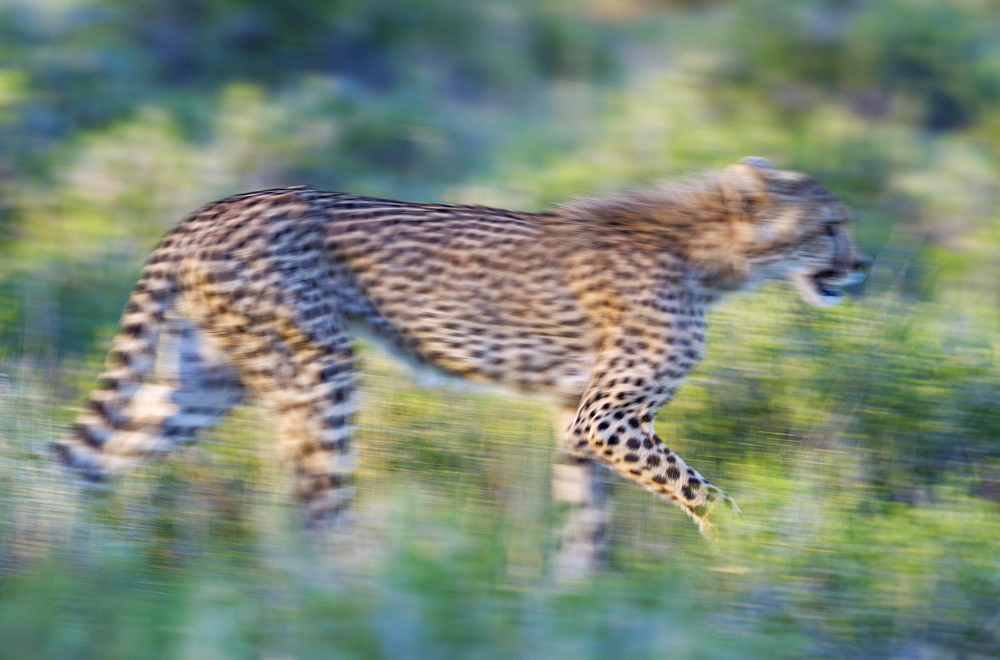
861	442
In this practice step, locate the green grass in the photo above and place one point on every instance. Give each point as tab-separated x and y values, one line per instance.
450	555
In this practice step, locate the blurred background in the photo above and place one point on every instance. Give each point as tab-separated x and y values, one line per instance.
860	441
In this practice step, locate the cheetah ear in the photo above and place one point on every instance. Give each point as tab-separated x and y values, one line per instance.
766	170
758	162
745	189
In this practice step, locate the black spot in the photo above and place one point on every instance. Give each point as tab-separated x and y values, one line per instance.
673	473
133	329
633	443
83	434
631	458
336	421
97	407
687	492
659	478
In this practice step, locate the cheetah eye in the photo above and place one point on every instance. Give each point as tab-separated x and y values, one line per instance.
831	230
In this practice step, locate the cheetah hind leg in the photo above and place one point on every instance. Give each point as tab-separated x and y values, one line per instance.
314	413
304	377
287	342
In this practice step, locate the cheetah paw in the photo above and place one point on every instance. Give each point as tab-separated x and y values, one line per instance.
717	500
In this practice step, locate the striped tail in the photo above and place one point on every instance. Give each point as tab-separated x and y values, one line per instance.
87	449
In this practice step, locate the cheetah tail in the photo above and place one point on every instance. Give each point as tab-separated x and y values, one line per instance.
94	446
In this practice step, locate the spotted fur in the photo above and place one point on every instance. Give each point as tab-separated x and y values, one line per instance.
600	305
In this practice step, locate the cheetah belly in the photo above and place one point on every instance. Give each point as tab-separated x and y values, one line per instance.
460	330
534	362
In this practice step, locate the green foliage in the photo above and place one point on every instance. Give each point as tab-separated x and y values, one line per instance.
932	63
860	441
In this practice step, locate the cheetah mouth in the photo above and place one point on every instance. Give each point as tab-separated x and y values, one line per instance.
820	289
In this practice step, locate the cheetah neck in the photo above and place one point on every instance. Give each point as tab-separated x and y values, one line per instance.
689	220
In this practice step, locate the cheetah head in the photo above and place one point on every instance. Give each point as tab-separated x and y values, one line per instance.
798	232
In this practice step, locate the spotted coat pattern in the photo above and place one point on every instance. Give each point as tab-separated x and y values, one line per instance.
600	305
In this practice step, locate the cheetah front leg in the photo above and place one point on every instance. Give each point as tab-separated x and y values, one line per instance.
580	486
614	425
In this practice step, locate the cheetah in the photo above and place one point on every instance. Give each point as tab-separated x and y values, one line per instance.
598	304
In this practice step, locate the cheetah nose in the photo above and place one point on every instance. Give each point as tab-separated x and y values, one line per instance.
863	265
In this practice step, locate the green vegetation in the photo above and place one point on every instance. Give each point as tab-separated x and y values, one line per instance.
861	442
